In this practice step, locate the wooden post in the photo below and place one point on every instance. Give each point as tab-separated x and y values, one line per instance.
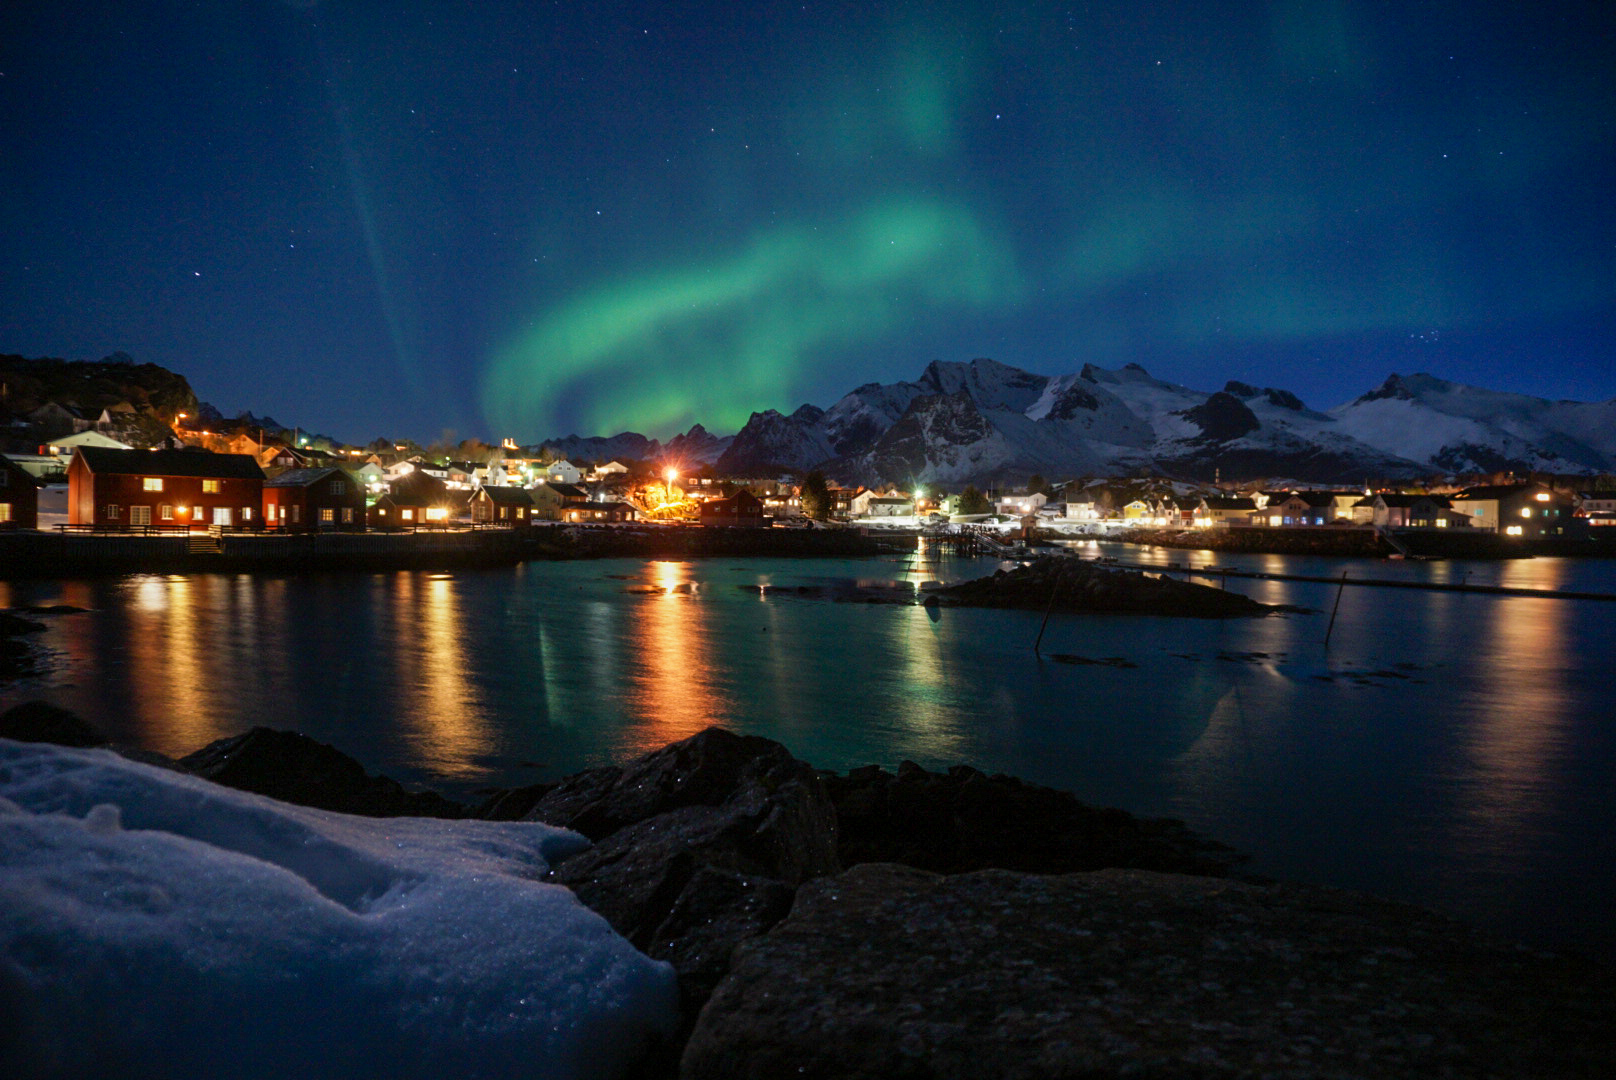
1335	608
1047	609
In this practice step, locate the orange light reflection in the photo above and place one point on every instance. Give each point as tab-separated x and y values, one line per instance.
671	689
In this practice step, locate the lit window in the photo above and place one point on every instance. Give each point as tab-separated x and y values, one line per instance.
1542	496
1526	511
210	487
328	514
407	514
347	515
437	513
1513	530
5	512
246	513
152	483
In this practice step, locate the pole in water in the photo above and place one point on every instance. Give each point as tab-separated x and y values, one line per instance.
1335	608
1047	609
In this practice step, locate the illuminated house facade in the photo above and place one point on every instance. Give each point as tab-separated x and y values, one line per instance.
19	497
1412	511
314	500
741	509
502	506
415	500
1515	509
172	489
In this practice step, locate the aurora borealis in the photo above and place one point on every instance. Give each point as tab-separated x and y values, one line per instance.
525	220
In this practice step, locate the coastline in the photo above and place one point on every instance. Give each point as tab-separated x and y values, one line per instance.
848	924
55	555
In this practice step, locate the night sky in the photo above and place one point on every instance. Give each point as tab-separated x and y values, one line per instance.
526	220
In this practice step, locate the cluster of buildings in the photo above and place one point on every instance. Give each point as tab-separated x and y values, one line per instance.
1527	509
102	484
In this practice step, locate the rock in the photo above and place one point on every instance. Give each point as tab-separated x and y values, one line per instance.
887	971
296	769
964	820
698	846
1062	583
42	722
17	659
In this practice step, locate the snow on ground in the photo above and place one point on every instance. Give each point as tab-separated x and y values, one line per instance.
154	924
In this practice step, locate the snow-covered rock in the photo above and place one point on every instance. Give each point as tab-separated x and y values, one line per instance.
155	924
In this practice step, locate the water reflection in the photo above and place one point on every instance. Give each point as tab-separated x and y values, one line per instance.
444	716
1519	710
672	690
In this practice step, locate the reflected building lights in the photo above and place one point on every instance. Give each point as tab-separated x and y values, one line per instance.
670	681
1516	736
450	730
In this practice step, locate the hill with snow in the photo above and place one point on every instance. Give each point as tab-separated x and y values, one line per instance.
984	422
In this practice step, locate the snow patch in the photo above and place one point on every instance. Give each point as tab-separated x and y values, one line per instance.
155	924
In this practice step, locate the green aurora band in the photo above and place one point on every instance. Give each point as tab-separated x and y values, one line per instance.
708	342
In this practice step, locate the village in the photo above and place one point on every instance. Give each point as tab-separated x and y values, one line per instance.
98	477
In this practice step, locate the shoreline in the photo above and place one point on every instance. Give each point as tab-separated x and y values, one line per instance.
32	555
853	922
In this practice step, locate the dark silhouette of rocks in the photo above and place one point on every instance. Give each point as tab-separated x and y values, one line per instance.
42	722
964	820
1062	583
698	846
296	769
887	971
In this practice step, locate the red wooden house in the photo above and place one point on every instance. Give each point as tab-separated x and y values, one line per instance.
742	508
178	489
502	506
314	500
19	497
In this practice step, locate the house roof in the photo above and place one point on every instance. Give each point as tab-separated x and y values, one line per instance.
1312	498
1398	499
106	461
1230	502
303	477
568	491
511	496
1493	491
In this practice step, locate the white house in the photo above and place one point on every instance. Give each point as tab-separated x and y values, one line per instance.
871	504
563	472
1021	505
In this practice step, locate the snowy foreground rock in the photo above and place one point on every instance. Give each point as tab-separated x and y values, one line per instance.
155	924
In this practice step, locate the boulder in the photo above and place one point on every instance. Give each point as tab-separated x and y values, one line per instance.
42	722
294	768
697	846
965	820
887	971
1063	583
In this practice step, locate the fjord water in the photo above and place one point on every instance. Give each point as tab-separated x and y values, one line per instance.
1451	749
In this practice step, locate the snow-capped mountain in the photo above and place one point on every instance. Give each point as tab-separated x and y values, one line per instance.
984	421
1458	428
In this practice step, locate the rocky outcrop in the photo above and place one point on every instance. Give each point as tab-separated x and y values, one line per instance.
963	820
698	846
889	971
1067	584
296	769
42	722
